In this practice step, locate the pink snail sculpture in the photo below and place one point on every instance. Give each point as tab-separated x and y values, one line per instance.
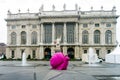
59	61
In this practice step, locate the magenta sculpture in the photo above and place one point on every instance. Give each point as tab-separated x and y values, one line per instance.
59	61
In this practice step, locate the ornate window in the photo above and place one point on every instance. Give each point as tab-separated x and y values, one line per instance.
70	32
13	38
23	37
34	37
85	37
47	33
59	31
108	37
97	37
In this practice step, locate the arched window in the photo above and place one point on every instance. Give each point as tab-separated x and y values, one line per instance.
97	37
23	37
108	37
85	37
13	38
34	37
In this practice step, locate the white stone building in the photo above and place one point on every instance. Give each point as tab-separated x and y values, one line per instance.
36	32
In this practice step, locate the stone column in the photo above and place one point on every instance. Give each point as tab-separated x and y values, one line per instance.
80	34
18	41
91	34
28	37
18	38
38	34
65	34
42	34
53	33
76	33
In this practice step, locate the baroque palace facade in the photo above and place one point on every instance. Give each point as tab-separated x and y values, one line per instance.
35	33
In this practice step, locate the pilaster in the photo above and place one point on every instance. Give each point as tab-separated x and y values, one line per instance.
28	37
77	53
42	34
76	33
53	33
18	41
65	34
38	34
41	53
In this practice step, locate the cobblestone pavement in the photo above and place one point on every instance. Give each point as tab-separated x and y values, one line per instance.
41	70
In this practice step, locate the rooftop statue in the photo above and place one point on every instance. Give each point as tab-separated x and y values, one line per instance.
53	7
64	6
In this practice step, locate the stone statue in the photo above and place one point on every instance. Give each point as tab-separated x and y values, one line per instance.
41	8
57	43
53	7
64	6
58	40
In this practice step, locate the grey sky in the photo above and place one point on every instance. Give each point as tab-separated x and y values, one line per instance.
34	5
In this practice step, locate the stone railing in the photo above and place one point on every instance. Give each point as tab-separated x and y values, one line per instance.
61	13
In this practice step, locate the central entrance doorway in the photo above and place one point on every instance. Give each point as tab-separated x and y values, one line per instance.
47	53
70	52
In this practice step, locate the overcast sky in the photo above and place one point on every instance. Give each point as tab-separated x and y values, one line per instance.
34	5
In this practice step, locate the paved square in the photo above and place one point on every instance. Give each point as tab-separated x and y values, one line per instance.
41	70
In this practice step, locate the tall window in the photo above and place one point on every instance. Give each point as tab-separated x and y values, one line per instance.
23	37
34	37
47	33
85	37
59	31
70	32
108	37
97	37
13	38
